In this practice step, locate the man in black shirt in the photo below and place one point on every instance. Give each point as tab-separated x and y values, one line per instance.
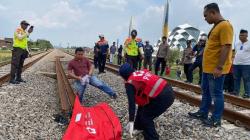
119	55
198	52
148	51
96	51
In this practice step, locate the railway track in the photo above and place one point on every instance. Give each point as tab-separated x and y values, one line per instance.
235	117
240	119
9	61
5	73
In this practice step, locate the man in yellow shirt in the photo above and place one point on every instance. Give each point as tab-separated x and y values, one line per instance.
19	52
216	63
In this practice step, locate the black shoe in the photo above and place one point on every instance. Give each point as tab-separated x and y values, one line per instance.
212	122
21	80
114	96
60	119
14	82
99	72
245	96
198	115
103	71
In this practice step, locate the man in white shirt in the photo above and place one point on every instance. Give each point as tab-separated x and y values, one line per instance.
241	67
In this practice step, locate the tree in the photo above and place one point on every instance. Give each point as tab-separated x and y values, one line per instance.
174	54
42	44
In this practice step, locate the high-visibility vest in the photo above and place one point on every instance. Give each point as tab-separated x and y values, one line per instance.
147	85
23	43
132	46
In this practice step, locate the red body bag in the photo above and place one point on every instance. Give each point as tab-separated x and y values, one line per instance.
93	123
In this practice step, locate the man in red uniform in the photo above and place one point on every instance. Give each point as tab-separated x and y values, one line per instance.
153	96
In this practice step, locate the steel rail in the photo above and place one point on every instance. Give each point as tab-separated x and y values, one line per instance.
3	63
235	100
228	114
65	91
6	77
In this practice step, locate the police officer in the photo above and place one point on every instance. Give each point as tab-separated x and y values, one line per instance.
148	51
152	95
133	50
19	52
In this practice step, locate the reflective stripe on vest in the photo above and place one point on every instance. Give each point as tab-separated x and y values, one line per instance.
155	87
23	43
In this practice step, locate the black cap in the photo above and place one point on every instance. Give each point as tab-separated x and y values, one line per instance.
25	22
133	32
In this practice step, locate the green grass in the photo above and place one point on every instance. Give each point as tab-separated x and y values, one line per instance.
5	55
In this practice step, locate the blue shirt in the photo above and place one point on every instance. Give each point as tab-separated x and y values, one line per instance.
104	46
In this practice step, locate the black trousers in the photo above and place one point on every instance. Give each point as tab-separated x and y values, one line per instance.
102	62
119	60
192	68
147	62
133	61
186	71
229	82
157	65
146	114
139	63
96	61
17	61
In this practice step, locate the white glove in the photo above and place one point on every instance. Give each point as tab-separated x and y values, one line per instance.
85	80
130	128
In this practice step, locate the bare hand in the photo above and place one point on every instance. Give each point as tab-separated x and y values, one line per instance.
217	73
30	30
79	78
142	57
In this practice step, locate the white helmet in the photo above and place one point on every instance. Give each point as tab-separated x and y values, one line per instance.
203	37
101	35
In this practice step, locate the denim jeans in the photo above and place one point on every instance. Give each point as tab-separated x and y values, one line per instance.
94	81
242	71
212	89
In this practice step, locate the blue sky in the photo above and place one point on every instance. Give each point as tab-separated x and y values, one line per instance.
78	22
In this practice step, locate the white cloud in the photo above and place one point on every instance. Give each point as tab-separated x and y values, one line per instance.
152	11
3	7
61	15
109	4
